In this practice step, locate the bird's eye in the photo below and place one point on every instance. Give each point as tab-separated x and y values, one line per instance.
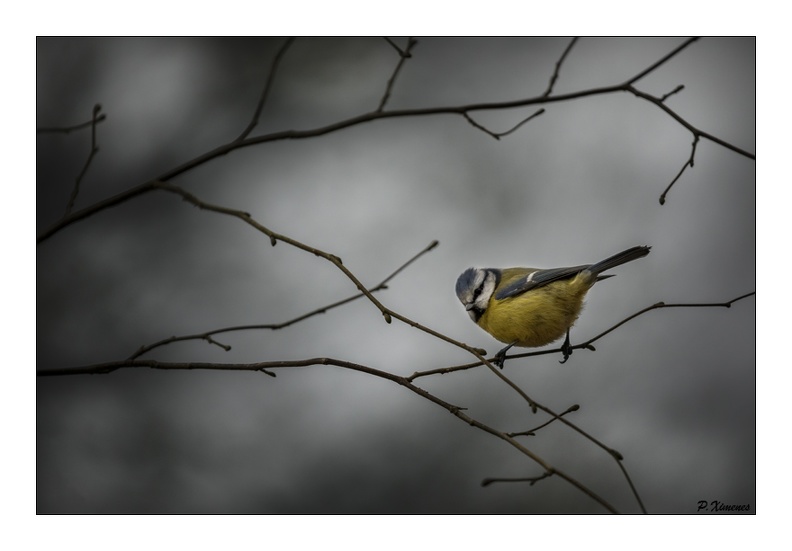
476	293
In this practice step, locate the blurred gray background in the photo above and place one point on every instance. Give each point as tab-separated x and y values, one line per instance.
673	390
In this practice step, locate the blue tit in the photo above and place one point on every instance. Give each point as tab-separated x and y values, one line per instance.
532	307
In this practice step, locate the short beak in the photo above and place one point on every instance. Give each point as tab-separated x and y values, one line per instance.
469	307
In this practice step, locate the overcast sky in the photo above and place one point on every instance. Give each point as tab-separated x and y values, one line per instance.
673	390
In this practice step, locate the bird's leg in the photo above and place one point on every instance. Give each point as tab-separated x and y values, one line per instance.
566	349
500	357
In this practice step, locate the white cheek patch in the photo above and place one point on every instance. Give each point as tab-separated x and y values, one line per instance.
480	275
486	292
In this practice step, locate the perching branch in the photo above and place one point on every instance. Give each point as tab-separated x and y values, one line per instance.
584	345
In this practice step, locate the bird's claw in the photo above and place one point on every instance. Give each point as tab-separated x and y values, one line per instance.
566	349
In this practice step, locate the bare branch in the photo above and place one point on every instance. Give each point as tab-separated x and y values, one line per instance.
267	367
558	67
207	336
380	115
274	238
267	87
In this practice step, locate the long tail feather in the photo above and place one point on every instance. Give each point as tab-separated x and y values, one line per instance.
623	257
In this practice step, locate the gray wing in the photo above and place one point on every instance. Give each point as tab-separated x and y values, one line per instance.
538	279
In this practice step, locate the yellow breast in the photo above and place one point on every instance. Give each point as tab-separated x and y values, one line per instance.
537	317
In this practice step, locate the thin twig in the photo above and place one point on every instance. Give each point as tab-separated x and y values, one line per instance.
688	163
403	55
657	64
499	135
558	67
94	151
532	480
660	305
672	92
633	489
266	91
69	129
532	432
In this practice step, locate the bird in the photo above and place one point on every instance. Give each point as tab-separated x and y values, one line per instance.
531	307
